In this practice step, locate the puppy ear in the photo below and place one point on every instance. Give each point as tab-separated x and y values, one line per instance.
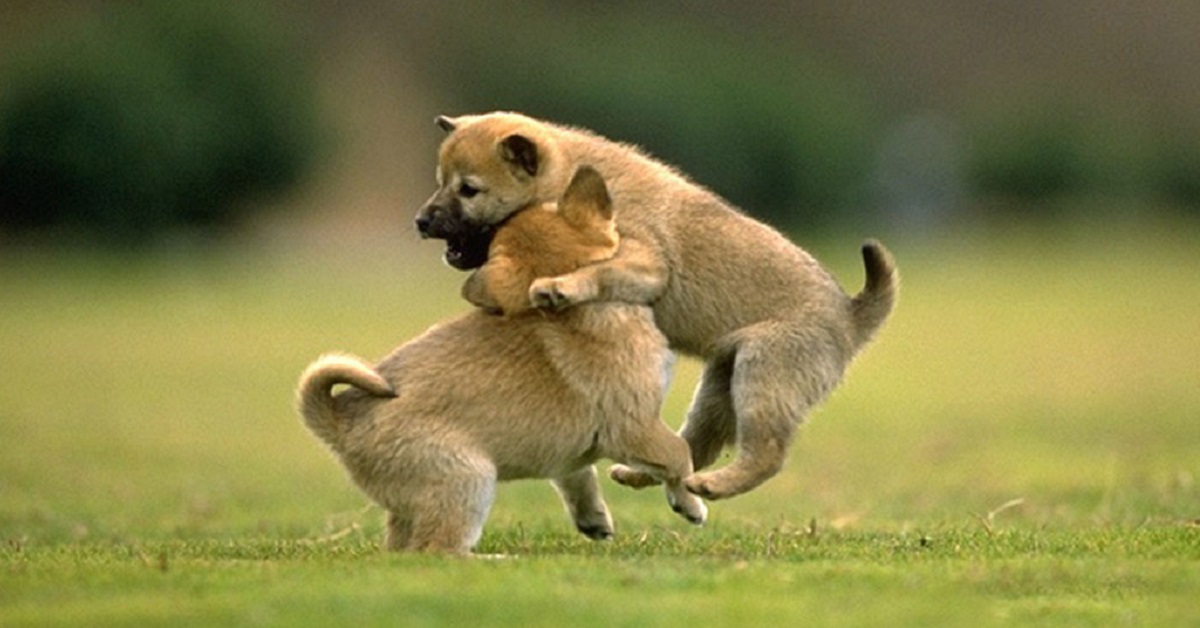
586	199
520	151
446	123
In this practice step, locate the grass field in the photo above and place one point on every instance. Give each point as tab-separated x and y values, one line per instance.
1021	445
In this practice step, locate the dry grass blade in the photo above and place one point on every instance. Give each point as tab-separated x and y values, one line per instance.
988	520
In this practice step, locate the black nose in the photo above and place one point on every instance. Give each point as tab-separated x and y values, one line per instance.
423	222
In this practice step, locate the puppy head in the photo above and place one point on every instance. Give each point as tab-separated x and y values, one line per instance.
548	240
489	166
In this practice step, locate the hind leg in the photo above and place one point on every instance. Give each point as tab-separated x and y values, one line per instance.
711	420
711	423
442	509
580	492
780	372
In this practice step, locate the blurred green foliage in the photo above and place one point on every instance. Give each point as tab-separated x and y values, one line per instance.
776	132
1176	172
1038	151
136	119
1030	155
788	136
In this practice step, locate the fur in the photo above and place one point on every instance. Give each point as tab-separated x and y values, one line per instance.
775	329
429	430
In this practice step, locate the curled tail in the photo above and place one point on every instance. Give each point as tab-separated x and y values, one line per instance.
314	395
871	307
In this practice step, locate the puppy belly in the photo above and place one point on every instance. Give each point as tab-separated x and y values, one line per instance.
545	458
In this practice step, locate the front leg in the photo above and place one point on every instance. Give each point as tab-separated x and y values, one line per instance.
580	492
636	274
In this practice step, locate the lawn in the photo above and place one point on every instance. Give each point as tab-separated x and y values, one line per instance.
1020	445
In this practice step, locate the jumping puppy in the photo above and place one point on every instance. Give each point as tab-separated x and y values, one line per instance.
775	329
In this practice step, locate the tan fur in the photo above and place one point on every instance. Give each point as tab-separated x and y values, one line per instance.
775	329
429	430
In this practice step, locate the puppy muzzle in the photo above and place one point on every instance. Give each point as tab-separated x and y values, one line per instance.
466	241
435	221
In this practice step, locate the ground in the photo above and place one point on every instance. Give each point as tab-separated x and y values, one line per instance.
1019	444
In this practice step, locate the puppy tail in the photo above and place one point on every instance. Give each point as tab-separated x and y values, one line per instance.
870	308
314	394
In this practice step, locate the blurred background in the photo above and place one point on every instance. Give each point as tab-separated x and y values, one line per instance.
196	198
130	122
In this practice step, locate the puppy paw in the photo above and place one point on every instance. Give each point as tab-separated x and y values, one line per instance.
547	294
597	526
712	486
596	532
544	295
688	506
558	293
627	476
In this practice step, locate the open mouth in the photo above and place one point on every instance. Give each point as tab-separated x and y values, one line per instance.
467	251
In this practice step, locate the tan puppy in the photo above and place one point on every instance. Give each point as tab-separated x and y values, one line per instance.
775	329
429	430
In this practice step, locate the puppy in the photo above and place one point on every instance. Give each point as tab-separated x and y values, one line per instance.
775	329
429	431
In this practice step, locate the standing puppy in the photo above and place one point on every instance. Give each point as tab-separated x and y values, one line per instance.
775	329
429	431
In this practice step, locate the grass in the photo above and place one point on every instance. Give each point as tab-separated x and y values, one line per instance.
1019	446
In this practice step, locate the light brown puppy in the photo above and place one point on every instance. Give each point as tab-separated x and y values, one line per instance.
429	430
775	329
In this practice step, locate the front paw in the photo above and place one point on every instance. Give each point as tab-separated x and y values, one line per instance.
545	294
556	293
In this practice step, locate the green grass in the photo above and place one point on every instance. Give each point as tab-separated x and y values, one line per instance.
1019	446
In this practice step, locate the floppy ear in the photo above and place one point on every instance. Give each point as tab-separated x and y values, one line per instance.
520	151
447	123
586	199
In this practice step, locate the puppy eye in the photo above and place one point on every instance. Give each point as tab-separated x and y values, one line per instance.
466	190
